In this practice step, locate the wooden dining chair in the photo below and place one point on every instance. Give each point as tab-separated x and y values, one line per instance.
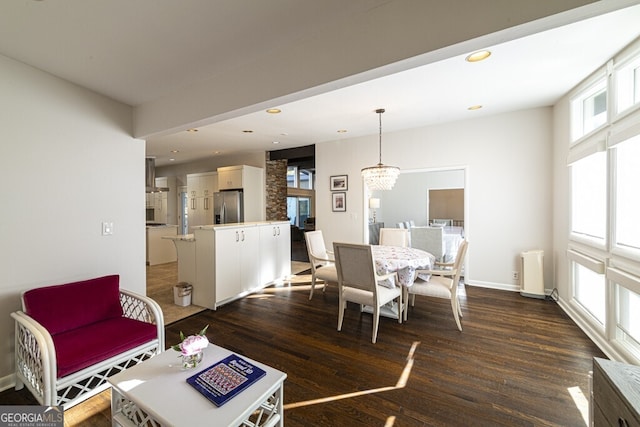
358	282
394	237
321	260
441	283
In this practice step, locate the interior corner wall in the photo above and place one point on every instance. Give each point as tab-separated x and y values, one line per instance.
508	185
69	163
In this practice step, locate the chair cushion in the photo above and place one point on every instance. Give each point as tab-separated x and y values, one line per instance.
328	273
438	287
70	306
361	296
86	346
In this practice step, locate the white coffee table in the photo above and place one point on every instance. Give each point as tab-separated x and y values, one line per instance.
156	393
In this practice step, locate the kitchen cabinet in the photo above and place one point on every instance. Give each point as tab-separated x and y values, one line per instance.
231	177
250	180
237	261
159	250
200	189
234	260
275	250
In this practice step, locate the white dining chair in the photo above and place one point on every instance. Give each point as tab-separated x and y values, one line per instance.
358	282
394	237
441	283
429	239
321	260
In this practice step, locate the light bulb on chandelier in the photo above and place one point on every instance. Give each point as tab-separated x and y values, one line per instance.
380	176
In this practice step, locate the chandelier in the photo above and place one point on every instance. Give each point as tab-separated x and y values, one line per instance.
380	177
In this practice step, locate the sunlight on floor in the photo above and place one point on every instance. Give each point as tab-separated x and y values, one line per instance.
402	382
581	402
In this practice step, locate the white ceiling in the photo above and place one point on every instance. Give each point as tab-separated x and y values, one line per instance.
136	51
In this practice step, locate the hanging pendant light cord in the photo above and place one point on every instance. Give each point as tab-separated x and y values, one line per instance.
380	111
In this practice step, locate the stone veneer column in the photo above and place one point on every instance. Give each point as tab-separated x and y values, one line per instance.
276	188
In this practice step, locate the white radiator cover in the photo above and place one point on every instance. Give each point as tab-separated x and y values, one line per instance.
532	274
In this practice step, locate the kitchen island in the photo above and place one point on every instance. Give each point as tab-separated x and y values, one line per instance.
159	250
234	260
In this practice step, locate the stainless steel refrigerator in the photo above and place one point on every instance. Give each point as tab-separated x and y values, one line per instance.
228	207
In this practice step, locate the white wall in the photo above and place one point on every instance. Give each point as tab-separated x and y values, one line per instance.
68	163
509	193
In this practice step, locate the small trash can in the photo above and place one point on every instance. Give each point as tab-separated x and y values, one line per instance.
182	294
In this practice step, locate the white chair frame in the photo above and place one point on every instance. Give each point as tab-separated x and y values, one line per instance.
35	356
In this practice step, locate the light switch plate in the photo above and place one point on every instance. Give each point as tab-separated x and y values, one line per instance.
107	228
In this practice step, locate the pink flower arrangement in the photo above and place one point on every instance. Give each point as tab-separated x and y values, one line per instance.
193	344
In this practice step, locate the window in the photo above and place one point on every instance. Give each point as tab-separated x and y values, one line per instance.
604	247
589	196
628	85
628	322
590	291
299	178
298	210
292	176
589	109
627	203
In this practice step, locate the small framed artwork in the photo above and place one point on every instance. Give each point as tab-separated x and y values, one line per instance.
339	202
339	183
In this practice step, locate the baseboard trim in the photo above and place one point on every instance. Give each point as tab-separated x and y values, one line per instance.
493	285
593	334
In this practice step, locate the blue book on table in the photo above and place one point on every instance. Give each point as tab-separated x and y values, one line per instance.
225	379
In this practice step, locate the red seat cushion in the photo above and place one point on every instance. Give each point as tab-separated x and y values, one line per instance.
67	307
86	346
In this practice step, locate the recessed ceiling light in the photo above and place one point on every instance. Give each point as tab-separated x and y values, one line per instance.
475	107
247	131
342	131
172	159
192	130
478	56
175	151
274	111
276	142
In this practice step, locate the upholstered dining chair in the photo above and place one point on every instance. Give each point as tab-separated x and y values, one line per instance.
321	260
358	282
394	237
441	283
430	239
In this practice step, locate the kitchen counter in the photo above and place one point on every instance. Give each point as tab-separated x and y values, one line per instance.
236	225
159	250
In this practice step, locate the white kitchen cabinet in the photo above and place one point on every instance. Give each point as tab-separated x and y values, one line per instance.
200	189
231	177
250	180
159	250
275	251
234	260
237	261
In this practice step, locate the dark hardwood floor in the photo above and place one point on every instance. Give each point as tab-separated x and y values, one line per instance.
515	363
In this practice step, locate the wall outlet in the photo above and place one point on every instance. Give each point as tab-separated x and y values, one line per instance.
515	275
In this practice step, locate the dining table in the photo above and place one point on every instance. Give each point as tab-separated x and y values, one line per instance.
401	260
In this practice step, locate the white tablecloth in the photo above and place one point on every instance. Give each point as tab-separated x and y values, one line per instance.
404	261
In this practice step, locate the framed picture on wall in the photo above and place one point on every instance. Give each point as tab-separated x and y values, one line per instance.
339	202
339	183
